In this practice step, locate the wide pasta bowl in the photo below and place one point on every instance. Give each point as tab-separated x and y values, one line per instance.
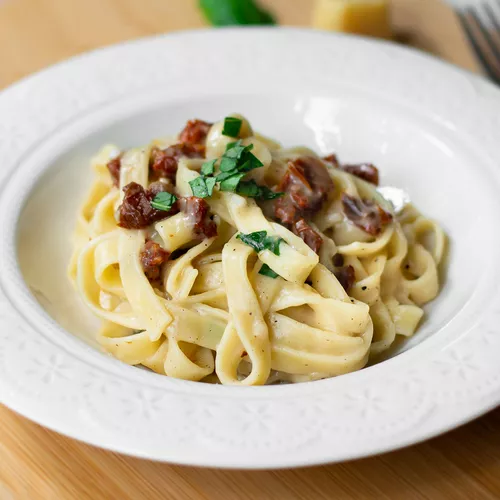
432	129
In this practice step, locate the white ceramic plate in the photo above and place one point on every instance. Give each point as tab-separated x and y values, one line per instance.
431	128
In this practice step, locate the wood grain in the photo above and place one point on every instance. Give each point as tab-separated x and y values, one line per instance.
36	463
36	33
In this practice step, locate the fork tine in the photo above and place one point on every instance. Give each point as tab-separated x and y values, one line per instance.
480	40
493	32
493	16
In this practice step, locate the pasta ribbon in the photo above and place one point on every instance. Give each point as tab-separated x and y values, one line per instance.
183	290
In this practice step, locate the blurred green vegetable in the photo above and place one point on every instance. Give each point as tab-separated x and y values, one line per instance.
230	12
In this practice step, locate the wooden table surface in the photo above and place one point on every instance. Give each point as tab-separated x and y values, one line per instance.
39	464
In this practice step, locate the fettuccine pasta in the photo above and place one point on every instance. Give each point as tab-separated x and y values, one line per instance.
220	256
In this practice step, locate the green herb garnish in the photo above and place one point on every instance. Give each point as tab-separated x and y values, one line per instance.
237	147
248	188
164	201
210	183
208	167
232	126
265	270
232	157
231	183
259	241
225	175
234	164
231	12
228	164
235	150
253	190
236	161
268	194
202	187
249	162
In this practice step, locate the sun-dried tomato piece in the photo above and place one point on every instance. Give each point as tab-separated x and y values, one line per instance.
136	211
306	185
312	239
333	159
164	162
152	258
195	132
197	211
338	260
365	171
365	214
346	277
114	167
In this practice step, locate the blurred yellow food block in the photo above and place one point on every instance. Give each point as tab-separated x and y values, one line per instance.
364	17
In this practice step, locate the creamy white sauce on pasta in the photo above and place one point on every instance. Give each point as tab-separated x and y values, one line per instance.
211	316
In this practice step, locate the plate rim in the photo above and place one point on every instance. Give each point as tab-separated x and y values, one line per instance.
8	391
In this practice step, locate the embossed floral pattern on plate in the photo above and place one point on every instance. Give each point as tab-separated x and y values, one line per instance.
60	382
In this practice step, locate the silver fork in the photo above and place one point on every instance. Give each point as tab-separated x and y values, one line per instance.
482	25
